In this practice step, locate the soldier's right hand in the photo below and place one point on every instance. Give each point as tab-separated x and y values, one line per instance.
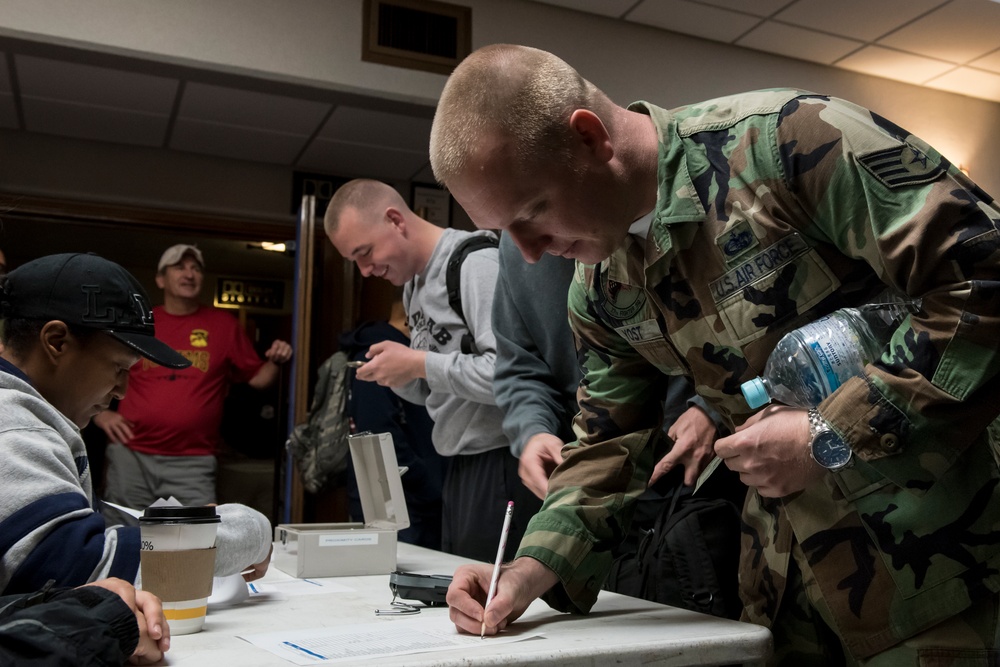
519	584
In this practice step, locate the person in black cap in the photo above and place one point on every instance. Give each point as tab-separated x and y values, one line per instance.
74	325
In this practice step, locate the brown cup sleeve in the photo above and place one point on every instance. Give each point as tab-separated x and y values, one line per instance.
175	576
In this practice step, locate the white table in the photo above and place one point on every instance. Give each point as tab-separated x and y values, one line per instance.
620	630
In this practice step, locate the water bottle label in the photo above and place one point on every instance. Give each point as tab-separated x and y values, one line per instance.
828	376
838	357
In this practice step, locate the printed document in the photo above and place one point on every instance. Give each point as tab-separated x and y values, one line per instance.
382	638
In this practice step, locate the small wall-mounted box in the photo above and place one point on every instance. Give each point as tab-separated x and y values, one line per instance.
342	549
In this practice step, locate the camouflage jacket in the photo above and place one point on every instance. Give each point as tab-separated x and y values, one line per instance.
774	208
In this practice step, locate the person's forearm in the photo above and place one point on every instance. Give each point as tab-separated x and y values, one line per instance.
526	394
469	376
537	578
418	365
414	392
55	628
266	376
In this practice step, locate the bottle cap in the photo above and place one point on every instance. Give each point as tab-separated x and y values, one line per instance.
755	392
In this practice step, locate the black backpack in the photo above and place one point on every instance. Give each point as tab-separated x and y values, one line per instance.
689	558
453	279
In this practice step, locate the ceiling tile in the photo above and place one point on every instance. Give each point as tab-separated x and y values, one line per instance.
605	7
100	86
990	62
894	65
796	42
93	122
959	32
359	160
8	112
755	7
968	81
713	23
378	128
263	111
241	143
841	17
117	103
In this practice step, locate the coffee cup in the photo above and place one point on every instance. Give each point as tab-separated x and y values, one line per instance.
177	558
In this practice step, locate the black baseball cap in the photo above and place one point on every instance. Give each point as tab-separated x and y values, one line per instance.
87	291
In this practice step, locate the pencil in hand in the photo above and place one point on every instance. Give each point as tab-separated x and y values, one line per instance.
496	565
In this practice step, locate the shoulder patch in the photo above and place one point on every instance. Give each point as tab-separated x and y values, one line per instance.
616	302
901	165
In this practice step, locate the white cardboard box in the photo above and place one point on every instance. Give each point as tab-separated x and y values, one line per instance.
342	549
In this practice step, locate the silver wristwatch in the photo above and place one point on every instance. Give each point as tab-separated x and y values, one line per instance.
826	447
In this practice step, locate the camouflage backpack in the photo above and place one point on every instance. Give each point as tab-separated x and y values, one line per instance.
319	445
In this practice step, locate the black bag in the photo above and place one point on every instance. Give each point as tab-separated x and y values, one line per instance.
319	445
453	279
690	557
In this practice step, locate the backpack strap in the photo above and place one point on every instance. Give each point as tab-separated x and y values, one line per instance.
453	279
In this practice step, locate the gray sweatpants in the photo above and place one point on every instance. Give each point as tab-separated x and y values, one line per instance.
136	480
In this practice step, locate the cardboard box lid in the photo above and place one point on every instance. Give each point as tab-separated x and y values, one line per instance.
379	483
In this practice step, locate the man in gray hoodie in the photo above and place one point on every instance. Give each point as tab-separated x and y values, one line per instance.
369	223
75	324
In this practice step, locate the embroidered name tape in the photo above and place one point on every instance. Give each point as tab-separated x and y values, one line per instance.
641	331
766	261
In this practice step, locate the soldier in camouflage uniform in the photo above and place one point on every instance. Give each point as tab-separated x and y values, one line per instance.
703	234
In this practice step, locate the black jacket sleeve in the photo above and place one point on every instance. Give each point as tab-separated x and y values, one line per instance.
79	627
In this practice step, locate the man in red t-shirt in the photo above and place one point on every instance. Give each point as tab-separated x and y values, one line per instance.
164	436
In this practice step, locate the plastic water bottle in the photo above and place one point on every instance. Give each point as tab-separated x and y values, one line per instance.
811	362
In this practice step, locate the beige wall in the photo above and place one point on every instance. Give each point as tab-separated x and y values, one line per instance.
318	42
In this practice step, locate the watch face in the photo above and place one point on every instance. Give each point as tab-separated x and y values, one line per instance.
830	451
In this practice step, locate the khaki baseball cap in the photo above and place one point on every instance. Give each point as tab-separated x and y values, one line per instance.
175	253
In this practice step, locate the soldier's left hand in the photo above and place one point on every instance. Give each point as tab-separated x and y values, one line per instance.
693	434
279	352
770	451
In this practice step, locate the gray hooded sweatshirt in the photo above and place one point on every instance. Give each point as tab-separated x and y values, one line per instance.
458	391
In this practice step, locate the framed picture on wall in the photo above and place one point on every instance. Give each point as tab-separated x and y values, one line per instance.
432	204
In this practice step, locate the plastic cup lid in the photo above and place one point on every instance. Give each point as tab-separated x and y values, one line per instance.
755	393
177	514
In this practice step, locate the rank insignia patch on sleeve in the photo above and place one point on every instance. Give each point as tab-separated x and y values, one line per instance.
902	165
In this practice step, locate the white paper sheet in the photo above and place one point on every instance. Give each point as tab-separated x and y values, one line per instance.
159	502
382	638
280	589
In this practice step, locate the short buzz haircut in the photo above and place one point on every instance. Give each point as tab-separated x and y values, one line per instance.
20	334
511	92
362	194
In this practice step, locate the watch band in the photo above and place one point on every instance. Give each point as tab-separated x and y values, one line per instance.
816	424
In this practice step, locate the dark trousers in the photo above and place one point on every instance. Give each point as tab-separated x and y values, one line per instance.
477	488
